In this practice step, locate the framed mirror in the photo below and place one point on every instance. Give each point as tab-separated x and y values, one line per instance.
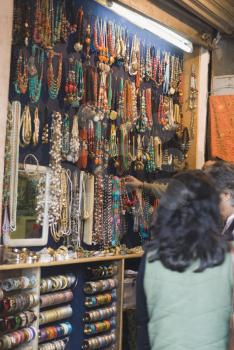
29	232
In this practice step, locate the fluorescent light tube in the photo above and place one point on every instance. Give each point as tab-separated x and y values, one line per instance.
150	25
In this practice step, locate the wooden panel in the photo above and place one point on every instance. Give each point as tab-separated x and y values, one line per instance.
150	9
70	262
219	14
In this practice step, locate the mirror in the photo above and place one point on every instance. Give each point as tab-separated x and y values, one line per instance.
28	231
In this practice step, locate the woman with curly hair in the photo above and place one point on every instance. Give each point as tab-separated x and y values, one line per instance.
184	289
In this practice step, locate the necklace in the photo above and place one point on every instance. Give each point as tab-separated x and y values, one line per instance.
54	82
21	83
74	87
116	221
26	127
14	164
73	155
37	31
56	169
65	136
35	137
79	30
98	210
35	83
158	152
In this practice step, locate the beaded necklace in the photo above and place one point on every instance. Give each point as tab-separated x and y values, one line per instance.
7	170
148	64
98	233
192	100
133	64
65	136
37	31
107	211
46	23
35	83
150	164
148	102
53	81
111	42
79	30
116	221
75	213
56	169
21	83
14	164
73	155
124	145
167	73
45	129
74	87
102	102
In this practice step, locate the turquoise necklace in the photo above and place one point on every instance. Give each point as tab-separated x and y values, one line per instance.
35	83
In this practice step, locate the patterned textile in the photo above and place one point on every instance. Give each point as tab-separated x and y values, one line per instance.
222	127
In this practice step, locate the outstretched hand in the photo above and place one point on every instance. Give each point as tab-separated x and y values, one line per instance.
131	181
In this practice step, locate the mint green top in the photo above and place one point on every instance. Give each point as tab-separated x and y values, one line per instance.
188	311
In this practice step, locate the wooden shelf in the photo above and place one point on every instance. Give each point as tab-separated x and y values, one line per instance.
5	267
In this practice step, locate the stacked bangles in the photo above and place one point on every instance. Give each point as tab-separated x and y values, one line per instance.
100	299
20	320
100	314
99	342
11	340
54	332
18	302
99	327
100	286
55	283
54	345
18	283
57	314
56	298
102	271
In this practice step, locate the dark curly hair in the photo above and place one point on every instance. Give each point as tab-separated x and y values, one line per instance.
187	224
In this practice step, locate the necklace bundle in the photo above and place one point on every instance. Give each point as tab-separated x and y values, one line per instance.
35	83
79	30
74	87
53	81
56	169
116	219
98	210
65	136
21	83
75	211
73	155
9	223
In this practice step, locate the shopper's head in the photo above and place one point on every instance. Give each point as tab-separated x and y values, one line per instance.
187	227
222	175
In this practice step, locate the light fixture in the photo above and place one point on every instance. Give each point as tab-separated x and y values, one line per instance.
148	24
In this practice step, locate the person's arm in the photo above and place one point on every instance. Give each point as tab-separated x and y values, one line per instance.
156	188
141	310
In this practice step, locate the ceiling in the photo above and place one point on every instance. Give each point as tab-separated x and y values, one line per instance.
219	14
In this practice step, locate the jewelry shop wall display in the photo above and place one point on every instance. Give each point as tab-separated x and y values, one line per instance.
94	100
